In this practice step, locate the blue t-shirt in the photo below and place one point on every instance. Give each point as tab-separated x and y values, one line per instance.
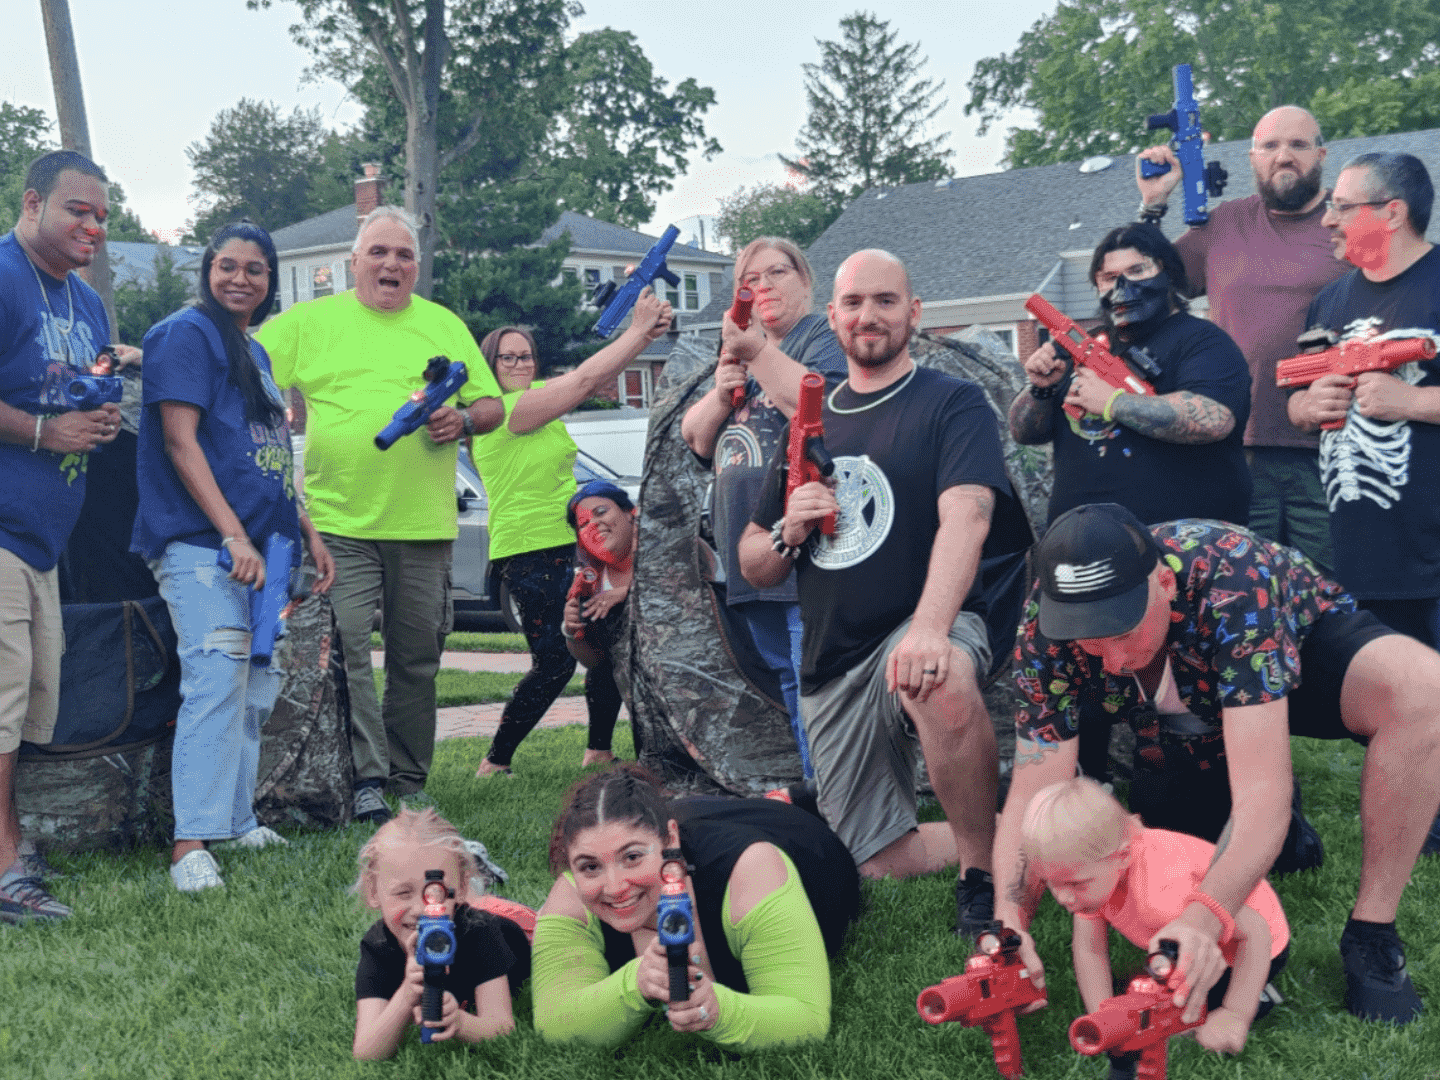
42	494
185	361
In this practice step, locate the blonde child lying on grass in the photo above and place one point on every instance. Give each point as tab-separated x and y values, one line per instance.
492	956
1107	869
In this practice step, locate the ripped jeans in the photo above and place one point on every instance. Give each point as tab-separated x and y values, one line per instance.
225	699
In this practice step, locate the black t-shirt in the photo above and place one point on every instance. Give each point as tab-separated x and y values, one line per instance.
1100	461
895	452
1382	478
486	947
714	833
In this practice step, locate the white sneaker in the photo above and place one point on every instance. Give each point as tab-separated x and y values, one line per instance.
258	837
196	871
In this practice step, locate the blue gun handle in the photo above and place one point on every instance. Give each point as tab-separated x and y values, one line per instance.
1149	169
431	1003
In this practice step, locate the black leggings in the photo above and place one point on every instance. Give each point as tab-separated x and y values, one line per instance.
538	580
602	698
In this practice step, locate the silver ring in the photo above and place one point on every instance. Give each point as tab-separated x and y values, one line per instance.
703	1014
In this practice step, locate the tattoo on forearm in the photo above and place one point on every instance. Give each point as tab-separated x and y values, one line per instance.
1030	419
1019	892
1181	417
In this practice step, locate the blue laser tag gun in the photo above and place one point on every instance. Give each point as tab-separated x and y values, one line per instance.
87	392
434	948
617	302
270	604
1189	146
675	922
443	379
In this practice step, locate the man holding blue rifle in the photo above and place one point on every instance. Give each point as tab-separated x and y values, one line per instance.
1261	260
388	517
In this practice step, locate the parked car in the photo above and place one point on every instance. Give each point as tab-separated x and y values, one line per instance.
475	586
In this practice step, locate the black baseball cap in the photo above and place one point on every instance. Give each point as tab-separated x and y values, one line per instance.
1094	564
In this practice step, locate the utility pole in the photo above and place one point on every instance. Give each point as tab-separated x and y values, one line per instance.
74	130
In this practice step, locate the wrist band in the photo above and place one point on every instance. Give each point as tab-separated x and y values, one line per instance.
1044	393
1105	413
468	421
1153	214
1227	921
35	446
777	541
225	543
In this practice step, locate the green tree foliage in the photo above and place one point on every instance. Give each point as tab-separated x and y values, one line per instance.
1094	69
869	112
773	210
1378	108
140	305
123	223
24	136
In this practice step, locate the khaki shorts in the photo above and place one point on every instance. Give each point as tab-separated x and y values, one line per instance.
32	638
864	746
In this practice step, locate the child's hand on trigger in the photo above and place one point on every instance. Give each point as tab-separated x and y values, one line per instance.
413	984
449	1024
1224	1032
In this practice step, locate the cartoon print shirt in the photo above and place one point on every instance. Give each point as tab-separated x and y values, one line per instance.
1382	478
43	491
1242	609
185	362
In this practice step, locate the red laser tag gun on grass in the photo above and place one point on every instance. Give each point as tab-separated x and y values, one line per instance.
443	379
740	316
806	458
1141	1019
1086	351
994	987
1349	358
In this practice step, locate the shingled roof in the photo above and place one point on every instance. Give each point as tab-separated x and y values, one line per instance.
1001	234
591	235
324	230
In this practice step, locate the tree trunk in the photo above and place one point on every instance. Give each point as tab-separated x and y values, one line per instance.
74	130
422	155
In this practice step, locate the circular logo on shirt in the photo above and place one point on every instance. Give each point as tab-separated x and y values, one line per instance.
867	511
737	446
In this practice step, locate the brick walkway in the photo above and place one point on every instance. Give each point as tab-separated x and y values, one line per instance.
463	721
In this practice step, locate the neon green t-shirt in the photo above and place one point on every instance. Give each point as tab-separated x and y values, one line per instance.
529	479
355	366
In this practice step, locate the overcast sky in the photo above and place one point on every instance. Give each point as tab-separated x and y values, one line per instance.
156	72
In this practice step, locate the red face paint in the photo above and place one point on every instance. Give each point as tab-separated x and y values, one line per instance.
1367	240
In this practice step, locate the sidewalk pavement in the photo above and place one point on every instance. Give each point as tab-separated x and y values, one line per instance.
464	721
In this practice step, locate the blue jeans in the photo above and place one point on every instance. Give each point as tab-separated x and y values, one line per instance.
225	699
776	629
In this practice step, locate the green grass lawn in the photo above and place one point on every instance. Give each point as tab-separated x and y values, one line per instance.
454	687
257	981
466	641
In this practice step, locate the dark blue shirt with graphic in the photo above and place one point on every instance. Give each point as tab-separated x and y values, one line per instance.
41	496
185	361
1242	609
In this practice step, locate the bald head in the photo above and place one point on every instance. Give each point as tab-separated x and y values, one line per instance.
868	259
1287	118
874	311
1287	153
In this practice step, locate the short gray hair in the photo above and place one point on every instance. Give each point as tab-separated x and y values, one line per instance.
393	213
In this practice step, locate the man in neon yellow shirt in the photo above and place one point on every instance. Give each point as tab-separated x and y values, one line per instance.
388	517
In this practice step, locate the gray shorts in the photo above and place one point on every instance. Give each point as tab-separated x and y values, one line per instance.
863	744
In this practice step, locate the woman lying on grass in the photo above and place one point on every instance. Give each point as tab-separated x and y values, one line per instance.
773	891
492	955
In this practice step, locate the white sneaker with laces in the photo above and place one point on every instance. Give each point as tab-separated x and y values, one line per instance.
196	871
258	837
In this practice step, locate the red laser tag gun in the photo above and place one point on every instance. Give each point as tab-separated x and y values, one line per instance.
1141	1019
1085	351
1349	358
994	987
740	316
806	459
585	585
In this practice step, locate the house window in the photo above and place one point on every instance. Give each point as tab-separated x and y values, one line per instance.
322	281
1006	333
692	291
635	387
592	278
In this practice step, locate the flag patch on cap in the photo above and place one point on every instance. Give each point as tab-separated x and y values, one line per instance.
1085	577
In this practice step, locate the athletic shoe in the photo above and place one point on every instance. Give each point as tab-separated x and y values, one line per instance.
1269	998
1303	849
196	871
36	865
974	902
1432	839
258	837
482	856
25	897
1377	986
370	806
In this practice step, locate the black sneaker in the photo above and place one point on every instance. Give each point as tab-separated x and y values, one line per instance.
1432	840
1377	986
370	806
1303	849
974	902
24	898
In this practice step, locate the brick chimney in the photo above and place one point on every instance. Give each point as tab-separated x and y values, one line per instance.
367	191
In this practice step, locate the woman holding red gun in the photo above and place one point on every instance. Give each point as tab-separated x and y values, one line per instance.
527	464
738	426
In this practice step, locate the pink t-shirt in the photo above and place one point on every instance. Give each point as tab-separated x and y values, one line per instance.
1260	271
1165	868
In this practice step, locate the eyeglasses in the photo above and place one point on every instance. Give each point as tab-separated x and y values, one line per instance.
513	360
1105	280
774	276
1295	146
1333	207
251	269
